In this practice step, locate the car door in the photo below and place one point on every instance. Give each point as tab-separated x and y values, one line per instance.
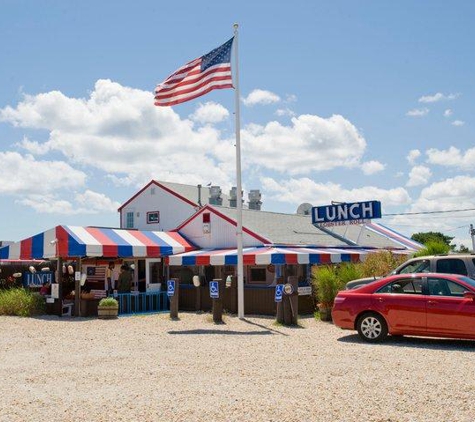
403	305
448	312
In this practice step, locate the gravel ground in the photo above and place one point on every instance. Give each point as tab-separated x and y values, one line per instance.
150	368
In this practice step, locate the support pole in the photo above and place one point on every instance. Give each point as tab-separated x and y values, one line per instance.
472	235
240	260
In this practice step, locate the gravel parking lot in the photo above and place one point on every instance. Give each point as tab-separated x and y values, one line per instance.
150	368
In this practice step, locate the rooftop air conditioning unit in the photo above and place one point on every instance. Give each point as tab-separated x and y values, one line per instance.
215	195
255	199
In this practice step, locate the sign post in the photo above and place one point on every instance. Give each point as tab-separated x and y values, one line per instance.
279	292
173	292
216	292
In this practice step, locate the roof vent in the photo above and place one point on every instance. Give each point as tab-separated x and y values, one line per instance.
233	197
215	195
305	209
255	199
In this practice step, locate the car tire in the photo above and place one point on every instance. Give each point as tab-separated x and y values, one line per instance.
372	327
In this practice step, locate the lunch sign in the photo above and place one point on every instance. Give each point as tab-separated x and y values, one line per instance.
346	213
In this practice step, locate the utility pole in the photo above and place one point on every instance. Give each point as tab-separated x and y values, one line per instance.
472	234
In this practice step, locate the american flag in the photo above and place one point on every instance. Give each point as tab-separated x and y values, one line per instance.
198	77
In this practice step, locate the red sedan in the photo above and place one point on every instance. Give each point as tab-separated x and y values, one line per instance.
434	305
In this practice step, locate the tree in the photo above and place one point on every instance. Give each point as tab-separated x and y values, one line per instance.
427	237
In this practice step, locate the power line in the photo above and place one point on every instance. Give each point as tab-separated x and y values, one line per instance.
429	212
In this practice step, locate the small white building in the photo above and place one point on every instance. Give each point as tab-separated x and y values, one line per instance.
162	206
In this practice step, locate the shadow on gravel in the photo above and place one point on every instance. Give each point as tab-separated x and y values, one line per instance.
225	332
417	342
267	328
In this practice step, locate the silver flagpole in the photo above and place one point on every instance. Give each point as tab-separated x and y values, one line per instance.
240	260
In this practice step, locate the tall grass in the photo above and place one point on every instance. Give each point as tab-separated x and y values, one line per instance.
20	302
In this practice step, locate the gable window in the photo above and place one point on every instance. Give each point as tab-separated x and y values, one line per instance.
129	220
206	217
153	217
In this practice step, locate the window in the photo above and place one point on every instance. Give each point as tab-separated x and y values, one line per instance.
153	217
129	220
257	275
443	287
451	266
421	266
206	217
405	286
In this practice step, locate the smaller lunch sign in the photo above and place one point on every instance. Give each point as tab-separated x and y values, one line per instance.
343	213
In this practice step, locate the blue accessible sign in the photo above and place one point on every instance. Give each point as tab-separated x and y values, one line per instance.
279	290
171	288
214	290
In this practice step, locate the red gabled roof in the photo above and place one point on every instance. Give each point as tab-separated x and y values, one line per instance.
209	208
154	182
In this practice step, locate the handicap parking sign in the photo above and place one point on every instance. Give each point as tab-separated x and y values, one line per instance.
279	290
171	288
214	290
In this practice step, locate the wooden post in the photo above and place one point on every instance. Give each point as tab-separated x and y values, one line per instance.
59	279
77	290
294	299
174	300
218	303
198	298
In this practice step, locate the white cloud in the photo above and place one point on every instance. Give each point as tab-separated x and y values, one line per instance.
97	201
49	204
448	112
119	131
210	112
260	96
437	97
290	98
296	191
458	123
413	155
88	202
450	194
33	147
285	112
23	174
419	175
372	167
418	112
310	143
452	157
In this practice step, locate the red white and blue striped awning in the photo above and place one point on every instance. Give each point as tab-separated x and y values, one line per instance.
75	241
404	241
269	255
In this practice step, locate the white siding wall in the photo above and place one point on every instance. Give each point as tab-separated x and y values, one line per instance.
221	236
173	210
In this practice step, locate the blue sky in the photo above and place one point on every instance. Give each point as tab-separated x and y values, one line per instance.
341	100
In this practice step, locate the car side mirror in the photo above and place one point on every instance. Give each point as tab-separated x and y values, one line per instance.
469	295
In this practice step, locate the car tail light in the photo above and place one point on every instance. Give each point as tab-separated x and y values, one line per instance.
339	299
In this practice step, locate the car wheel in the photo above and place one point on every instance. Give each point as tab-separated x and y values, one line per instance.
372	327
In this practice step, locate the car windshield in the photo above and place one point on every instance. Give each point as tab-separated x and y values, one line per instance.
422	266
469	281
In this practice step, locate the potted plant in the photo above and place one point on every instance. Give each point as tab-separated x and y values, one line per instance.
108	308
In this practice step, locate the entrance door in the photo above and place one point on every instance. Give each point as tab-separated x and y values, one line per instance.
153	277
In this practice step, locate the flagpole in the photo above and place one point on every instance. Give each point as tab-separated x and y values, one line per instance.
240	260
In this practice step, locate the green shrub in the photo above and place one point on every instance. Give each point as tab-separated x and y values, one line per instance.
326	284
20	302
380	264
108	301
433	248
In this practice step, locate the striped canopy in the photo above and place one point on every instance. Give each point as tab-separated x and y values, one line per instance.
74	241
268	255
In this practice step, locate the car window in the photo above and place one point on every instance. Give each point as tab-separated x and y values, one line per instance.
442	287
451	266
420	266
403	286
